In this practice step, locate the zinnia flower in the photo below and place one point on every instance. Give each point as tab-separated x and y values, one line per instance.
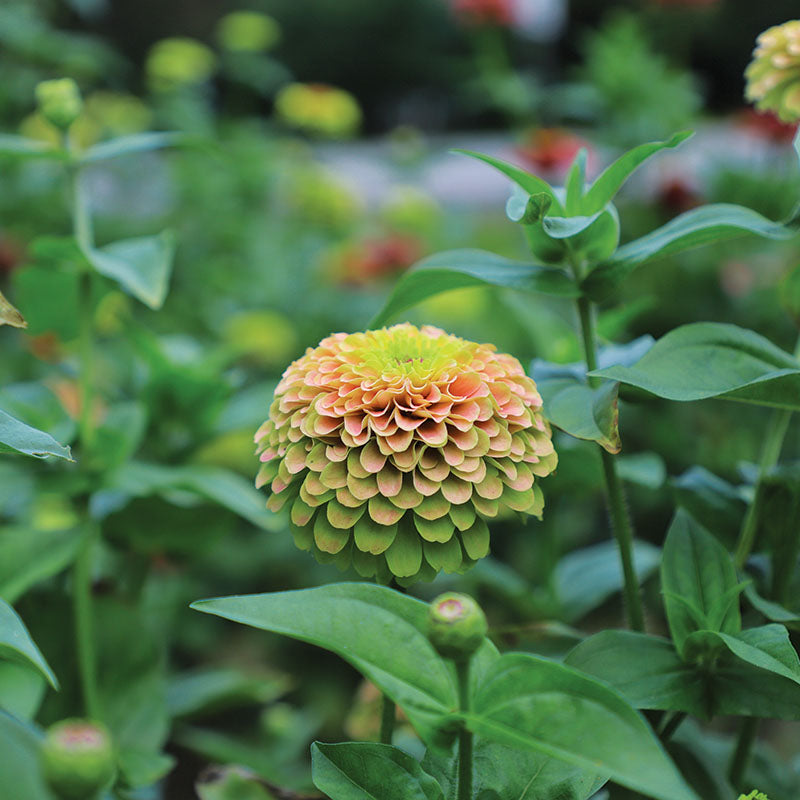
484	12
773	76
319	109
392	447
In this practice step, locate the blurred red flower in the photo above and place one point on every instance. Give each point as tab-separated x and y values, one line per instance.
483	12
550	150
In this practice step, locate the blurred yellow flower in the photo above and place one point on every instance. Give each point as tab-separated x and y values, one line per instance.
319	109
265	337
773	76
180	61
248	31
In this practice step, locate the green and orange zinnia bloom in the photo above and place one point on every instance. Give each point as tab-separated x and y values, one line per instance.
392	448
773	76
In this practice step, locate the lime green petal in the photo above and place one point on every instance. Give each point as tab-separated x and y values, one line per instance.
303	536
404	556
365	564
328	538
476	540
443	555
344	517
316	459
518	501
372	537
334	476
383	512
434	530
488	508
463	516
433	507
301	512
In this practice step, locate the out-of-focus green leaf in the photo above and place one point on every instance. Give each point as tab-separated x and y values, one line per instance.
231	783
142	266
21	690
711	223
20	147
16	644
536	704
364	771
644	469
134	143
530	183
49	295
17	437
20	759
709	359
456	269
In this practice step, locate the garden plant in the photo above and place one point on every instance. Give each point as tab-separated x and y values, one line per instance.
402	455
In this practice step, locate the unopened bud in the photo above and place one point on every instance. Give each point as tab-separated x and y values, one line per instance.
78	759
59	101
456	625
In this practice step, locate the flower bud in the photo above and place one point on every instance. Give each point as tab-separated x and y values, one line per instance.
59	102
78	759
773	76
456	625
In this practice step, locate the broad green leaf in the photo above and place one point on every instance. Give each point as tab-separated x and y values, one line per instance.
10	315
20	744
711	223
575	182
143	767
382	633
142	266
774	612
710	359
134	143
139	479
698	579
531	703
585	578
22	147
231	783
17	437
530	183
21	690
31	555
16	644
39	407
609	182
646	670
456	269
644	469
367	771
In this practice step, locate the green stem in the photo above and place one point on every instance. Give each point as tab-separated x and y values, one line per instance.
464	735
84	622
671	725
741	754
388	713
618	511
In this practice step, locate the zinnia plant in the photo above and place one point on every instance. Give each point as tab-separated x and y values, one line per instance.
393	447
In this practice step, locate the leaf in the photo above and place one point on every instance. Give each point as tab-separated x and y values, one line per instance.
774	612
139	479
20	767
585	578
712	223
699	582
456	269
231	783
135	143
17	645
535	704
10	315
50	296
21	690
367	771
17	437
142	266
710	359
22	147
39	407
644	469
609	182
530	183
389	644
646	670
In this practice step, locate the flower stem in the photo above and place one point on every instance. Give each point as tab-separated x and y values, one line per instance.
84	622
464	735
618	511
388	712
741	754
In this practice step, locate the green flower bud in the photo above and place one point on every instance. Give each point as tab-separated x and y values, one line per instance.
78	759
456	625
59	102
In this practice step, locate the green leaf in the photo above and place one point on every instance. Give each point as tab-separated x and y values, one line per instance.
39	407
575	182
609	182
135	143
531	703
231	783
530	183
774	612
17	645
646	670
22	147
142	266
711	223
699	582
367	771
10	315
567	227
456	269
21	690
138	479
525	208
710	359
50	296
20	759
389	643
585	578
644	469
17	437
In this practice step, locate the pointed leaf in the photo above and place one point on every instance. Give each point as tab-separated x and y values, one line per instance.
16	644
456	269
10	315
22	147
142	266
367	771
17	437
709	359
532	184
134	143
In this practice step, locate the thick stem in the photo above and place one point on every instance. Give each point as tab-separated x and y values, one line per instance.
84	622
464	735
388	714
618	511
773	441
741	754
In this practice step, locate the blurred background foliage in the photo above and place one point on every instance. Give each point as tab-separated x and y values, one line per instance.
315	172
